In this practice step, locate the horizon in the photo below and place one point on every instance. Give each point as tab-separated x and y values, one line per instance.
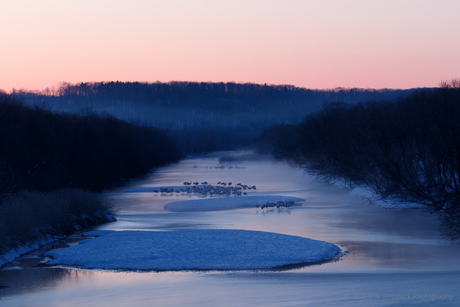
319	45
53	91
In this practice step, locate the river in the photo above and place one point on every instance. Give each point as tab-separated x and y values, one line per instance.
394	258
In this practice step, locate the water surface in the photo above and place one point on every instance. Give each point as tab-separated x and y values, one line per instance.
395	258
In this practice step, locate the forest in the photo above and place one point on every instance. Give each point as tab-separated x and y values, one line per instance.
201	116
405	149
52	167
198	105
42	150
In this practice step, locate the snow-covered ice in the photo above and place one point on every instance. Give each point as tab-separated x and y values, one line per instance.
227	203
216	249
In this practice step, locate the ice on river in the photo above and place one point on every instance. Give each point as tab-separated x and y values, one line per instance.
219	249
229	203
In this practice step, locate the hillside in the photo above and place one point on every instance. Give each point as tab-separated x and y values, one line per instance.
205	105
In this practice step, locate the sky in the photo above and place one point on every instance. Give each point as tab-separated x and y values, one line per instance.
307	43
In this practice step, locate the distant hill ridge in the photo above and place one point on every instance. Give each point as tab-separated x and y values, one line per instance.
200	105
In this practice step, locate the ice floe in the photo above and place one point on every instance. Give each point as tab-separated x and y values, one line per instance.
229	203
215	249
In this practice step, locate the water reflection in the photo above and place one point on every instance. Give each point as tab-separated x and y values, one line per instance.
26	280
245	289
414	225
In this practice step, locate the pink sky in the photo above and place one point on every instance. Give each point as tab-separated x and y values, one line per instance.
313	44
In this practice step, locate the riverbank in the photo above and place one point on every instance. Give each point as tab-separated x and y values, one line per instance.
54	167
30	220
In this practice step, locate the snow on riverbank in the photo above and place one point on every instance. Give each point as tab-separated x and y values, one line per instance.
48	236
28	247
368	194
227	203
220	249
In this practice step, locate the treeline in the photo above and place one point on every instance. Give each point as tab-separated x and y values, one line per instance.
406	149
175	90
199	105
41	150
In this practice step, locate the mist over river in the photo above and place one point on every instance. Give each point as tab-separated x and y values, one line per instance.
393	258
